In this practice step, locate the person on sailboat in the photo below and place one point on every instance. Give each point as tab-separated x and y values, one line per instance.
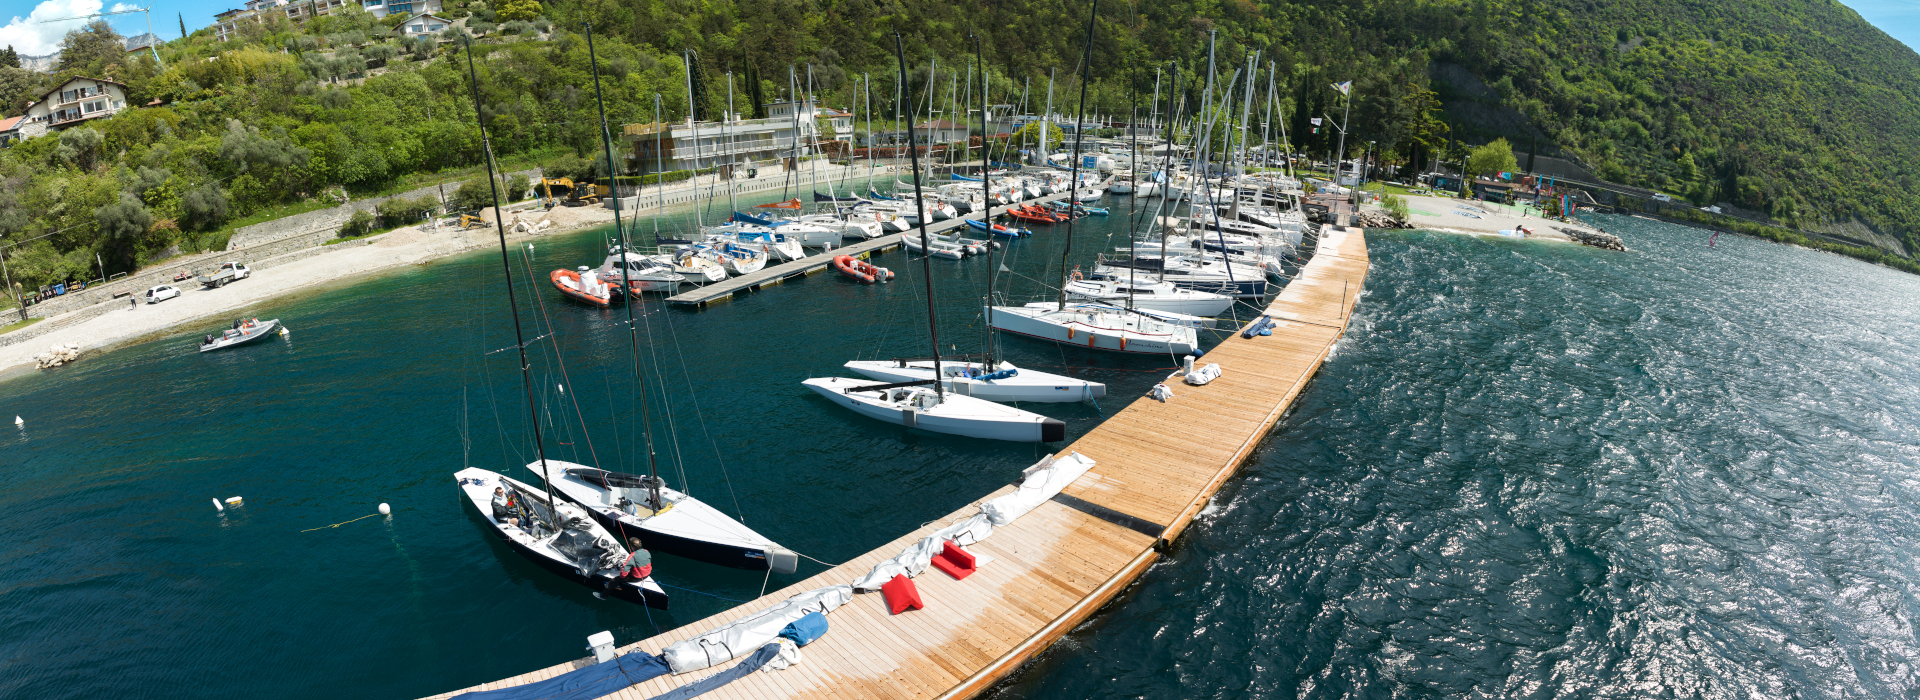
639	562
502	507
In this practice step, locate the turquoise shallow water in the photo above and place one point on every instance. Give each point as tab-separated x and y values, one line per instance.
1529	470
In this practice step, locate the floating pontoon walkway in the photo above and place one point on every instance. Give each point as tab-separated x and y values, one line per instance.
767	277
1157	465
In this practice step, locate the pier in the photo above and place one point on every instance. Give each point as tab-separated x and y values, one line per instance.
1157	465
777	274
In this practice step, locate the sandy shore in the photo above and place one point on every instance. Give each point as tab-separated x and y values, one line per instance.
389	251
1468	216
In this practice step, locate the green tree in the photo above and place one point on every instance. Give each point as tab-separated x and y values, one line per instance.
18	86
183	25
123	227
523	10
1029	136
9	58
1495	157
94	50
78	146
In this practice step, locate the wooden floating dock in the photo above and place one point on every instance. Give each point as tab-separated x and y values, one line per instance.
1157	465
777	274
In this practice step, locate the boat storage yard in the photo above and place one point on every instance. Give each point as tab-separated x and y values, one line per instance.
1154	466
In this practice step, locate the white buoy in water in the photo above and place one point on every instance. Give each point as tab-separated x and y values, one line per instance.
284	332
217	507
384	510
18	421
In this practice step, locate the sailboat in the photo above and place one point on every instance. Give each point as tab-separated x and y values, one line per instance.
986	379
555	536
1092	326
666	520
927	403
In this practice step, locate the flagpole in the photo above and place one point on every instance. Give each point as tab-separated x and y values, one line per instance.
1340	161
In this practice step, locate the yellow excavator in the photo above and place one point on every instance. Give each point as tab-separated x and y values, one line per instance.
470	221
578	194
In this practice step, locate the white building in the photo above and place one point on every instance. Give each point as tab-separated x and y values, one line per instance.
422	24
689	146
941	131
73	102
382	8
226	24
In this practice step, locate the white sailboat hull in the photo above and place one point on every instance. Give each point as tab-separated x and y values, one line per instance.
954	415
1097	330
685	526
1026	385
1148	294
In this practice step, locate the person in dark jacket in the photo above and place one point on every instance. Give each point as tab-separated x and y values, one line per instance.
639	561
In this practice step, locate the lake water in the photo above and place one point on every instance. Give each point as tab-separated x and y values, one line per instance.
1530	469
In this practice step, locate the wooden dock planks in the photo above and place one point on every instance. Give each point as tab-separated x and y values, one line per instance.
1155	462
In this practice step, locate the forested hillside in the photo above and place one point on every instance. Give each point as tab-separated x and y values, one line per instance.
1796	108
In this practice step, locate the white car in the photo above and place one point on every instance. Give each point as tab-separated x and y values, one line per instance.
162	293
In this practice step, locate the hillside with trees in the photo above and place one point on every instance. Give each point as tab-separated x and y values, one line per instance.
1795	108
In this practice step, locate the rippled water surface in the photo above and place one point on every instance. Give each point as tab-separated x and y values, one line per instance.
1544	471
1530	470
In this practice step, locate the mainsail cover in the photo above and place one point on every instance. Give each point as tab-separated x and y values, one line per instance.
747	634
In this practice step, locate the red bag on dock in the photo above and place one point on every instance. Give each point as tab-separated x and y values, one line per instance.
901	595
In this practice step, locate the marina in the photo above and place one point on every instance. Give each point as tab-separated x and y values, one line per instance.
778	274
1060	563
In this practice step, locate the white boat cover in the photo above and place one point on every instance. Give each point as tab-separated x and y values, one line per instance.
1200	377
748	634
1044	481
915	559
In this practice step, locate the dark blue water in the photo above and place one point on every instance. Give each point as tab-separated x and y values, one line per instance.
1545	471
1529	470
118	577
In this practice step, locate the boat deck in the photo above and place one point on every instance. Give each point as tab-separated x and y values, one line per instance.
777	274
1157	465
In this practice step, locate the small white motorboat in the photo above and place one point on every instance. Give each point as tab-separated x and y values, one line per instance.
689	263
1002	382
950	413
245	331
941	249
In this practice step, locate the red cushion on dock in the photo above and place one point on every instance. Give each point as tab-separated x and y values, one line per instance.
955	561
901	595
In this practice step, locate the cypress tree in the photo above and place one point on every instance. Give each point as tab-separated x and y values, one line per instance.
183	24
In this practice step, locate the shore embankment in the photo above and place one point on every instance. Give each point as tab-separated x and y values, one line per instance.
304	261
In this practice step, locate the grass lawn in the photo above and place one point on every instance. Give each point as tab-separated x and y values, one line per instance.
17	325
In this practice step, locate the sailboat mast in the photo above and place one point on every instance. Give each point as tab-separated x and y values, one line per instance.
733	159
1079	133
1133	189
659	168
986	213
693	130
920	210
1046	121
1173	117
626	284
506	265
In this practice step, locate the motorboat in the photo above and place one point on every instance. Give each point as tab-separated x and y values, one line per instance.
1121	185
1143	292
584	286
1095	328
675	523
561	538
860	270
949	412
1088	194
642	273
998	229
941	249
245	331
1000	382
689	263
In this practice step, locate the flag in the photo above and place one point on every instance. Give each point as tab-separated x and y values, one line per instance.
1345	88
1315	120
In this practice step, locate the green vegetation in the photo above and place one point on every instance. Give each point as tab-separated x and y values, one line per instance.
1395	205
1796	108
17	325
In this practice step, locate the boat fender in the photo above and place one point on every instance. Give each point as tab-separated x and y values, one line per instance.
217	507
235	502
909	417
385	509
